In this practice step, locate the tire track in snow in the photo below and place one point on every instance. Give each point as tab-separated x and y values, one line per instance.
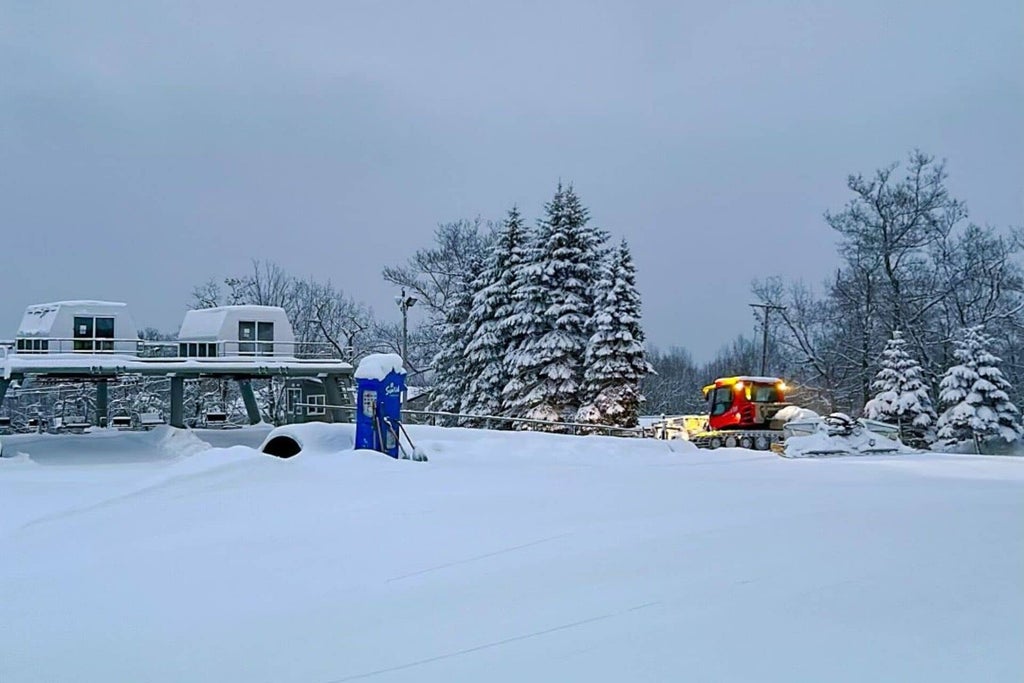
476	558
496	643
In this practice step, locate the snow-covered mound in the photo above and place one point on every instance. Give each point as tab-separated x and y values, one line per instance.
314	437
104	446
510	557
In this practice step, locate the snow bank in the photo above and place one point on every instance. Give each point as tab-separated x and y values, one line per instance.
104	446
378	365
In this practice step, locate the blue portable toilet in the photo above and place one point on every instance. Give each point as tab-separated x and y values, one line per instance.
380	384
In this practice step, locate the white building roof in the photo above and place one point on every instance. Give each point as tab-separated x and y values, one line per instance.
203	323
39	318
208	323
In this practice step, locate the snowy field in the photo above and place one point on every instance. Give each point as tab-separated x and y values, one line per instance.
506	557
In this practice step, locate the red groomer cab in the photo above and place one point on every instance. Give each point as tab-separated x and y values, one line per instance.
744	402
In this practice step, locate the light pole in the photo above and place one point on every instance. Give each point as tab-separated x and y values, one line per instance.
405	303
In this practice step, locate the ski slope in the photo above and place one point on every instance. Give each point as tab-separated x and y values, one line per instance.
506	557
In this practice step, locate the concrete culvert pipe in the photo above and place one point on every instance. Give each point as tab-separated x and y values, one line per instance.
282	447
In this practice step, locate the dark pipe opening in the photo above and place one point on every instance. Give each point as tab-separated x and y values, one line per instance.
282	447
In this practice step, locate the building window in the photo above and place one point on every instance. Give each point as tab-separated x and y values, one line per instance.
32	345
93	333
104	334
83	333
255	338
197	350
246	338
265	333
317	403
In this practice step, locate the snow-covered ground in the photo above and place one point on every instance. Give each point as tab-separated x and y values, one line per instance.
506	557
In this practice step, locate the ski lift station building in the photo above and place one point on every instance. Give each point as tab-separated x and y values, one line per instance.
236	331
78	327
97	342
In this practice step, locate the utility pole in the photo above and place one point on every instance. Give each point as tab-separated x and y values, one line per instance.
768	308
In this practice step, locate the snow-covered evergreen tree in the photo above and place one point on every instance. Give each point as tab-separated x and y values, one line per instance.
975	395
487	332
615	359
553	302
451	379
901	396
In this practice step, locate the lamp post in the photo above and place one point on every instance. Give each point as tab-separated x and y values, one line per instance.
405	303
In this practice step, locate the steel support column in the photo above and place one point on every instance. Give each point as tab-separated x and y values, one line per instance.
252	409
101	403
178	402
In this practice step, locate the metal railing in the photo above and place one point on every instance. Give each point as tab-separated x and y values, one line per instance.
34	346
232	348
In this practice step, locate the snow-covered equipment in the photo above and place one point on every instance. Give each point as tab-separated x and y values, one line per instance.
752	412
839	434
679	426
743	411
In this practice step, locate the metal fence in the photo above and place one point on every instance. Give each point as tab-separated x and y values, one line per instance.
446	419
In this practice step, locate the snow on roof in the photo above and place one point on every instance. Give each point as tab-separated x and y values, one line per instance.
202	323
39	318
379	365
82	303
725	381
206	323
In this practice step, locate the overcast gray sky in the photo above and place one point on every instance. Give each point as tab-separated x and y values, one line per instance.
147	147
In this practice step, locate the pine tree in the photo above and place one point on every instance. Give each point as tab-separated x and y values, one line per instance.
902	395
488	335
451	380
975	395
553	302
615	357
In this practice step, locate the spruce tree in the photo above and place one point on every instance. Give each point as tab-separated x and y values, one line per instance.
976	395
451	380
901	396
615	358
488	334
554	302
